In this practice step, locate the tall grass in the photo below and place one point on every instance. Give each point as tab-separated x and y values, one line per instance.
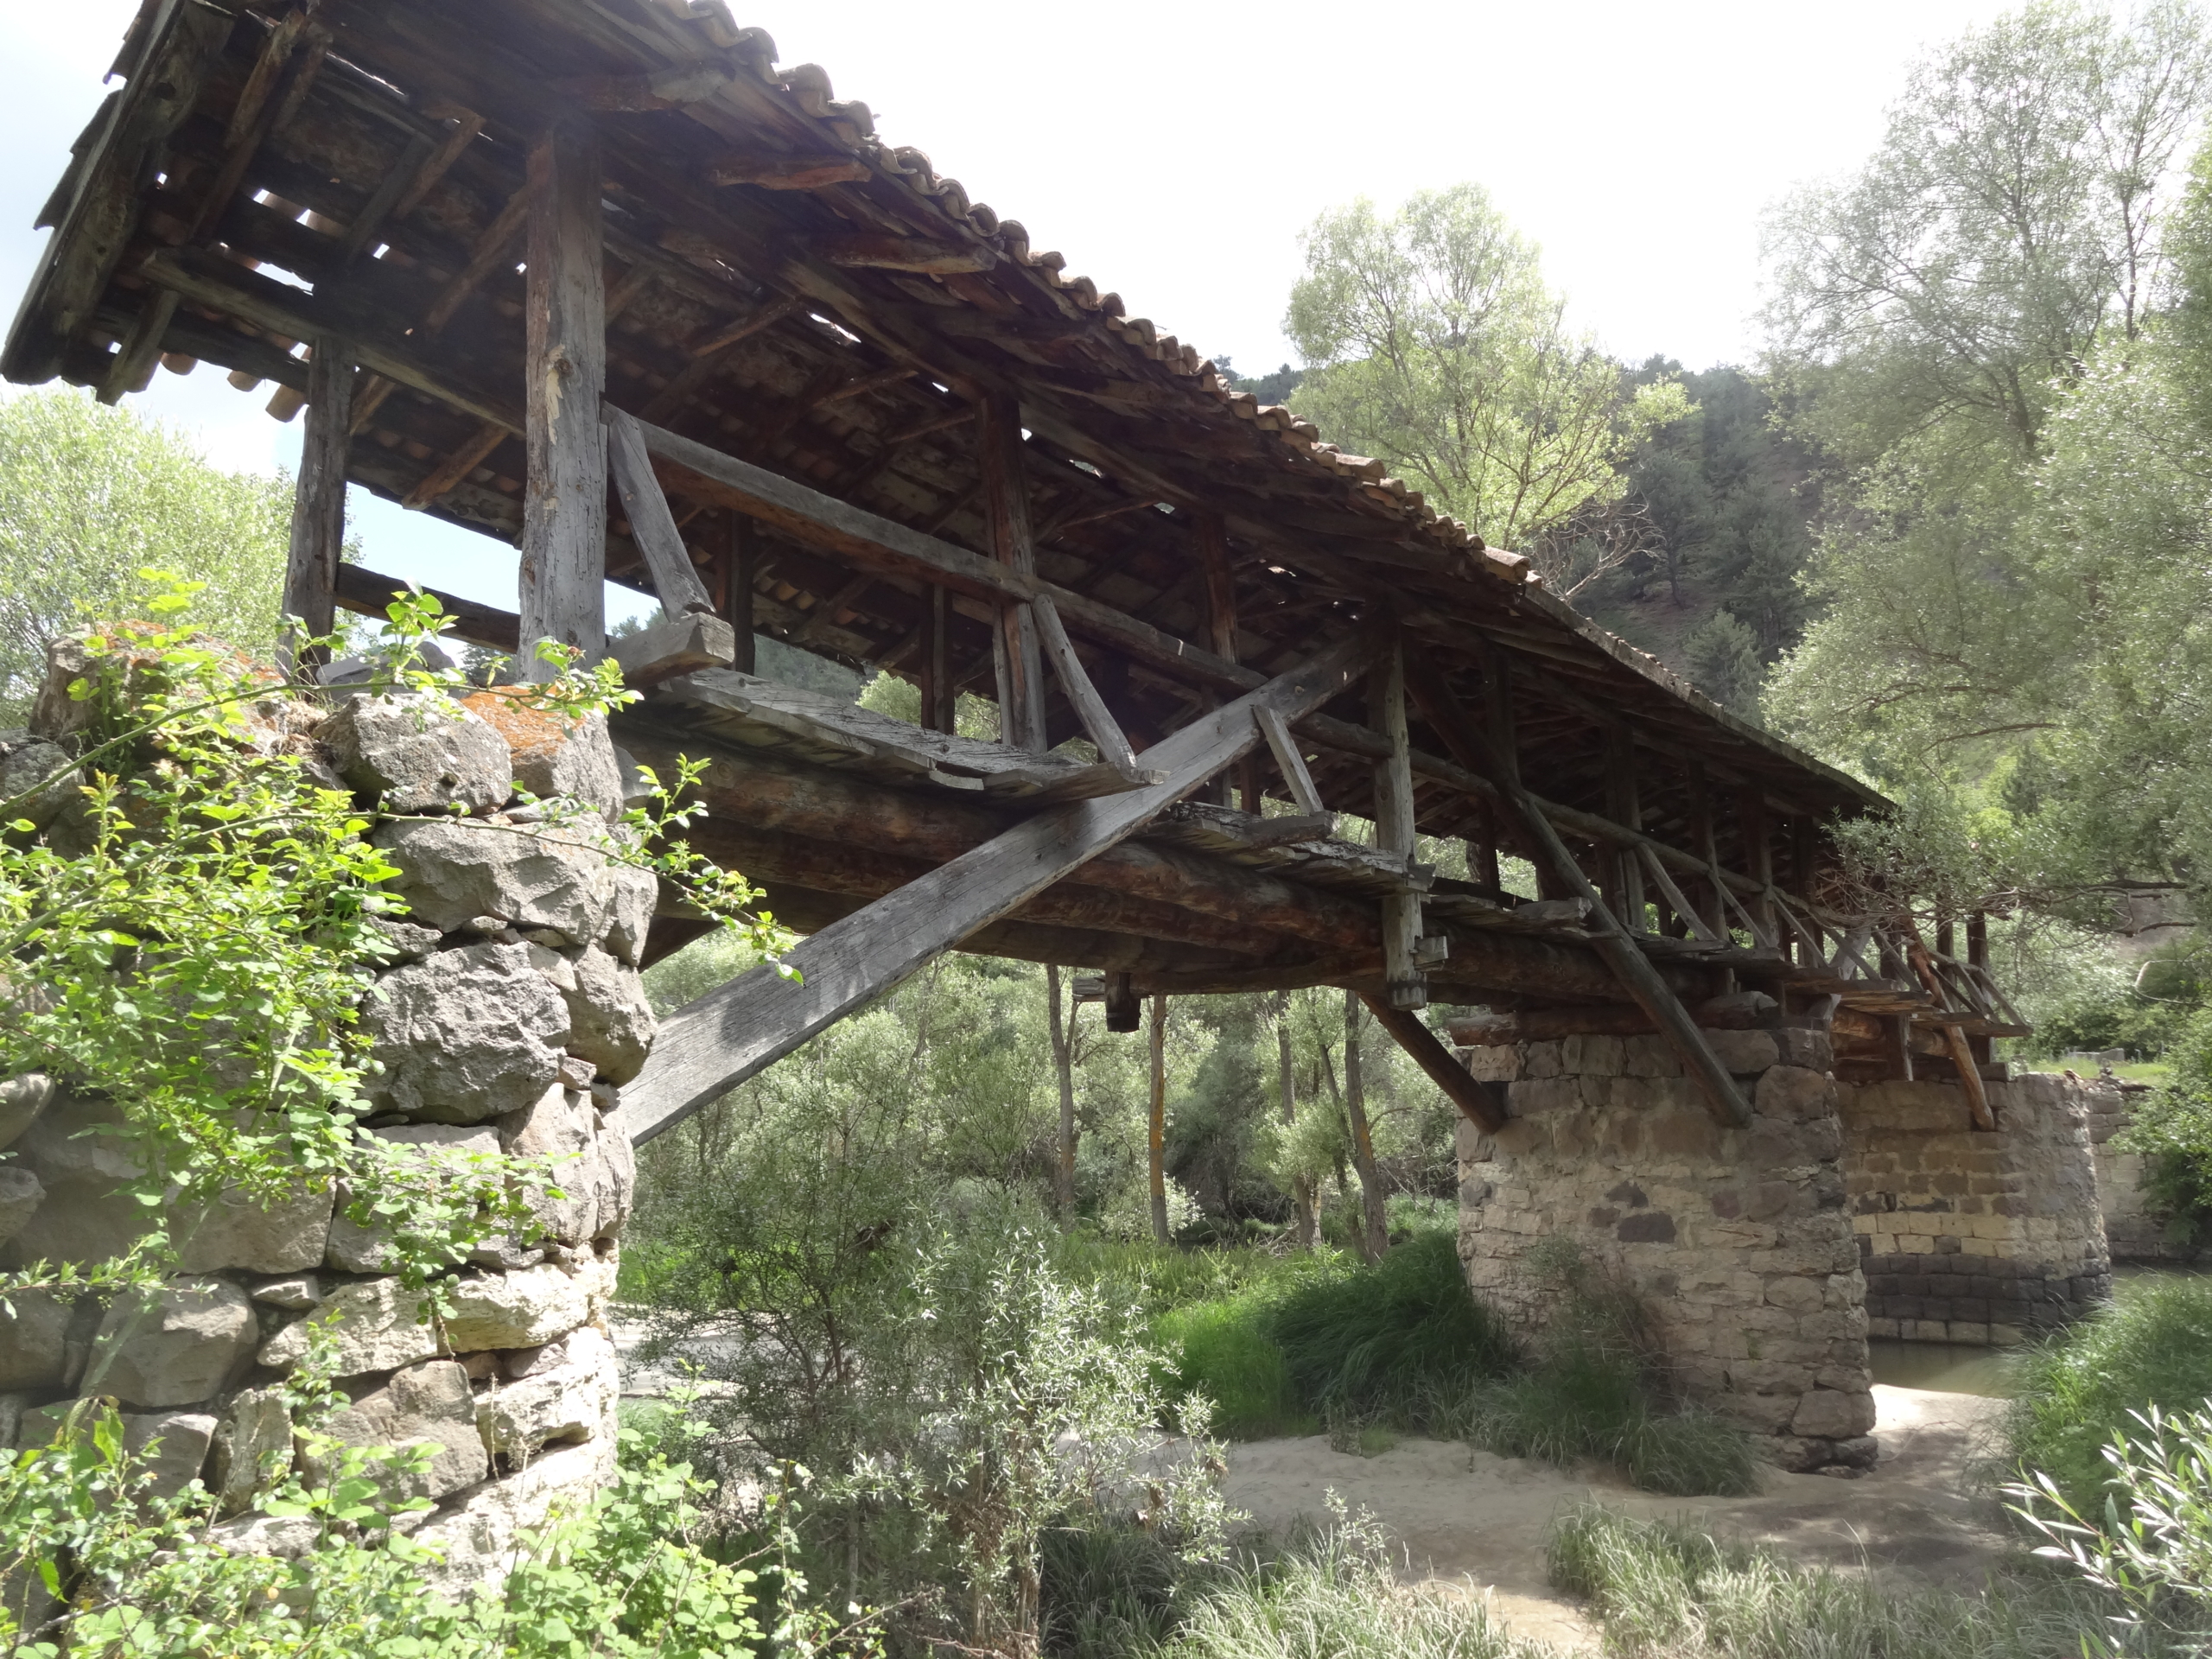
2153	1346
1667	1588
1402	1340
1223	1348
1333	1596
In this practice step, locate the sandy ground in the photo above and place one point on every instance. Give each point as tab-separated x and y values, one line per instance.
1474	1524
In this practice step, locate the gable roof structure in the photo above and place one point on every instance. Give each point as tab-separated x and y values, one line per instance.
787	292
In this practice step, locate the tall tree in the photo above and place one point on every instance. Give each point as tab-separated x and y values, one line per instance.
1064	1071
1157	1120
89	497
1433	343
1375	1227
1301	1184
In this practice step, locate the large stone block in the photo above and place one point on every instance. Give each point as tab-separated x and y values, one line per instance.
631	896
561	1129
517	1310
468	1035
610	1021
426	1403
21	1194
474	1544
171	1447
1833	1413
1743	1052
454	870
417	752
1795	1094
572	759
178	1347
34	1349
572	1401
358	1248
376	1324
252	1448
21	1099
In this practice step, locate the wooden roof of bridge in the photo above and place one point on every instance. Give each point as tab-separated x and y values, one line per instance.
358	168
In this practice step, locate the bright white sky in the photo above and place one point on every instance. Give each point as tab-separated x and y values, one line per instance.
1173	152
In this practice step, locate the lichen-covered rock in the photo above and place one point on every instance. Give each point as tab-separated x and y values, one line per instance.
466	1036
610	1020
377	1324
632	895
572	759
34	1342
572	1401
252	1448
174	1347
21	1099
429	1402
516	1310
21	1194
419	751
452	871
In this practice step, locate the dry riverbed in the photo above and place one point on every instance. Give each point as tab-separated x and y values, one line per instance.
1474	1524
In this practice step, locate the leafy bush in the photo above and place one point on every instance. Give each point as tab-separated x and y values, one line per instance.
2078	1393
1403	1338
2172	1130
2153	1550
1674	1592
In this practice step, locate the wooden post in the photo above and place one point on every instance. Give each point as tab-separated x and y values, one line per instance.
1124	1013
1064	1070
1157	1138
1623	807
319	502
1758	854
1221	636
737	591
564	505
1978	960
1405	985
1482	852
1015	650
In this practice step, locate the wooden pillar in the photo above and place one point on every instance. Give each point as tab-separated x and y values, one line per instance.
1708	892
737	593
319	501
564	503
1221	639
940	697
1124	1013
1624	808
1015	649
1758	852
1482	852
1157	1137
1404	985
1978	960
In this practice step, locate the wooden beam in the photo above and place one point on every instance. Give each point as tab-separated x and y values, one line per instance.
1124	1012
1097	719
732	1032
1736	1011
319	498
787	172
754	321
564	502
865	251
441	479
1642	981
1625	807
939	695
737	591
1481	1105
652	526
1405	987
367	594
1017	650
1296	777
132	368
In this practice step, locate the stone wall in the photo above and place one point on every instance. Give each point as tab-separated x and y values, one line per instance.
2134	1229
507	1017
1736	1241
1968	1235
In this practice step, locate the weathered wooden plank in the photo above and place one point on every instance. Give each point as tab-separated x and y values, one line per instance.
787	172
1017	653
368	593
670	646
1481	1104
319	498
1098	720
1641	980
1296	775
564	502
652	526
756	1020
737	588
132	370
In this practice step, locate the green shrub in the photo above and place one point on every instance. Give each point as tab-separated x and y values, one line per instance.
1404	1338
1663	1588
2152	1347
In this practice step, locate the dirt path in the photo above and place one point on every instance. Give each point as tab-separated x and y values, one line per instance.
1476	1524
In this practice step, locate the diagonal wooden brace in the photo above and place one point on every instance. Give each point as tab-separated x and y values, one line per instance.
652	526
738	1029
1477	1102
1472	746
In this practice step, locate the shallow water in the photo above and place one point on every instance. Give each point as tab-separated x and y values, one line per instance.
1943	1367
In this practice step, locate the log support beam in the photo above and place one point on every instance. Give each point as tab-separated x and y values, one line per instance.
564	502
1017	650
1405	986
319	499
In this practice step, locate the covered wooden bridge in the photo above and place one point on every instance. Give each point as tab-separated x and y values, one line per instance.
597	278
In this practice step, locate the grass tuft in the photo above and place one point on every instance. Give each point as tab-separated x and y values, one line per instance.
1667	1588
2152	1346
